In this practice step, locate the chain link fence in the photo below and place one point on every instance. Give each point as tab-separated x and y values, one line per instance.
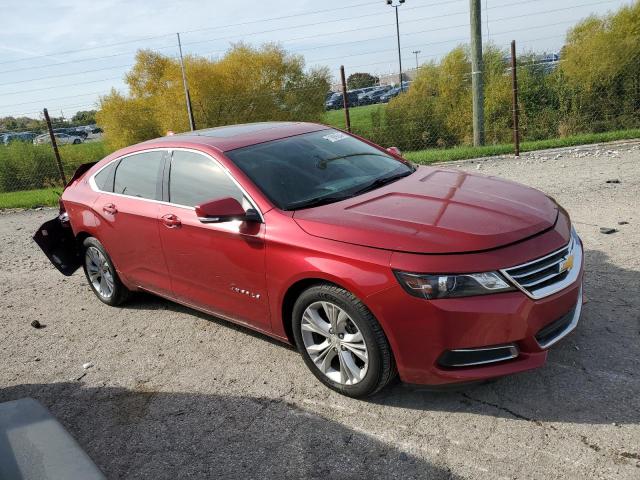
557	98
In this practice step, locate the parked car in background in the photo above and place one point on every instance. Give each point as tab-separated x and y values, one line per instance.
61	139
374	95
336	102
73	131
7	138
394	92
93	133
77	132
371	266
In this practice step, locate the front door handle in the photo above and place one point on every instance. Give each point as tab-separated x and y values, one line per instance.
171	221
110	208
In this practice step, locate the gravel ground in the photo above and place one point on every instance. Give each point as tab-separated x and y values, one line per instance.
175	394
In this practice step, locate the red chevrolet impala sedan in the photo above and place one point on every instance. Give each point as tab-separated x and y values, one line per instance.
369	266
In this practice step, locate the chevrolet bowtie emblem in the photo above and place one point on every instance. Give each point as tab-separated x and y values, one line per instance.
566	264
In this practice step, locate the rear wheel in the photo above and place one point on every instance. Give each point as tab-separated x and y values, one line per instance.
77	141
101	274
341	341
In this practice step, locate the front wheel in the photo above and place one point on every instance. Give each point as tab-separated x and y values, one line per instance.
341	342
77	141
101	274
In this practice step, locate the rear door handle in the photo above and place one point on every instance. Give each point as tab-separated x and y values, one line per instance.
171	221
110	208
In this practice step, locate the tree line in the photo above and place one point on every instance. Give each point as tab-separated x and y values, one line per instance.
593	87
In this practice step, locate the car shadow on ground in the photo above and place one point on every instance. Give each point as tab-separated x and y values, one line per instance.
148	301
591	377
145	434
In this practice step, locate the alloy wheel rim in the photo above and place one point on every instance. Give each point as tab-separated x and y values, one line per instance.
334	343
99	272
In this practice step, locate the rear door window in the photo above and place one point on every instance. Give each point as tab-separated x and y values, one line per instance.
137	175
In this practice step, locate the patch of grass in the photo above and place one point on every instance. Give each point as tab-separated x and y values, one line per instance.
360	118
466	152
24	166
73	155
30	198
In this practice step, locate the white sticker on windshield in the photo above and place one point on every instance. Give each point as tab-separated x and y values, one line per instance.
334	137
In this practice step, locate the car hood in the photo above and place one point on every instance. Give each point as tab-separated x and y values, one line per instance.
435	211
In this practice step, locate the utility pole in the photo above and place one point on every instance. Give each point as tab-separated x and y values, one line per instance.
396	6
416	52
477	83
192	122
55	148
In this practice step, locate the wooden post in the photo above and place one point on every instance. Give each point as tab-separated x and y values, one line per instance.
514	82
192	122
345	100
55	148
477	82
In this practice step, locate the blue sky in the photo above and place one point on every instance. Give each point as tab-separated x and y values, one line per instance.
64	54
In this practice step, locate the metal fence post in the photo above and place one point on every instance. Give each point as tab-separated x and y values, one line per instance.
345	100
55	148
514	82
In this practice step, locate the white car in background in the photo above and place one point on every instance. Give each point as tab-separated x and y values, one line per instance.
61	139
93	133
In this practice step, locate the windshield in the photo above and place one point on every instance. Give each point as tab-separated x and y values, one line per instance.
315	168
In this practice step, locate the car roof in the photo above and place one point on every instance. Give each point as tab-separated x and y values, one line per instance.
236	136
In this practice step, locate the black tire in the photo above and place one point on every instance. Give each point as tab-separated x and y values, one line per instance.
77	141
119	293
381	368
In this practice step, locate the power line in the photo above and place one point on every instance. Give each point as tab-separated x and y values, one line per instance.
92	59
97	47
55	98
131	52
68	74
422	45
310	36
60	86
464	25
218	27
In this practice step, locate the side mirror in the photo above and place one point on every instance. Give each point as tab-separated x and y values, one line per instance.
394	151
225	210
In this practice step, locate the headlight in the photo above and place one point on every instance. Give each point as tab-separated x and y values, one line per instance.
450	286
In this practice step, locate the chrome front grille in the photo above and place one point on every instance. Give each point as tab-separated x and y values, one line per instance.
549	274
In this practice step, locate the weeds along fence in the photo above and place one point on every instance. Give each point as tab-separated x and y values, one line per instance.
24	166
555	100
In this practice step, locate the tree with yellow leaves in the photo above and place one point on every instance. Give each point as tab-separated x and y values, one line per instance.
248	84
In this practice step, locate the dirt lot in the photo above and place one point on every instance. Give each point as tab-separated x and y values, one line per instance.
175	394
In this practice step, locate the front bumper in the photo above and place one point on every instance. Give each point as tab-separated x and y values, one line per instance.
422	332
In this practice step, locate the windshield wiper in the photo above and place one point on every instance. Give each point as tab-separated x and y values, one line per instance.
316	202
379	182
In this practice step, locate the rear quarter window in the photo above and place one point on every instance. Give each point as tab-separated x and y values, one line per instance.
104	178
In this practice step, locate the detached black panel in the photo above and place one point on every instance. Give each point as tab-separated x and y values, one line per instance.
59	245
